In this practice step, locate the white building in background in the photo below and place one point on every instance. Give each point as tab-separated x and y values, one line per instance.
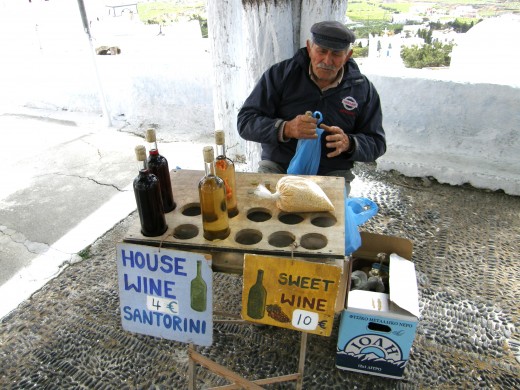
465	11
403	18
385	48
411	30
445	36
488	51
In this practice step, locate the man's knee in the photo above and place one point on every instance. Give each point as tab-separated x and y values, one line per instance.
266	166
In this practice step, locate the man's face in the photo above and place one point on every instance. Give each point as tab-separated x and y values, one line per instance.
326	63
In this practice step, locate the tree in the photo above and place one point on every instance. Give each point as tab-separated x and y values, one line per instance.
425	34
433	55
246	37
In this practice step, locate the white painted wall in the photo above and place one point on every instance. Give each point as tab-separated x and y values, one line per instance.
455	132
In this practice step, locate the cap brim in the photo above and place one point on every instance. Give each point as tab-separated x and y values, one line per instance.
329	42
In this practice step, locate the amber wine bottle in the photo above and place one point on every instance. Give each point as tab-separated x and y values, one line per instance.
158	165
257	297
147	193
226	171
198	291
212	195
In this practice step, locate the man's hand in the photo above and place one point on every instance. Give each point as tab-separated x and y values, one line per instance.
301	127
337	140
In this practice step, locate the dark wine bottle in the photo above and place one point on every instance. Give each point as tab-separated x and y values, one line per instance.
158	165
257	297
198	290
212	195
226	171
147	191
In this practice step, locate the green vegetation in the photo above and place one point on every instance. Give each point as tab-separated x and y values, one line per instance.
164	13
429	55
85	253
359	52
366	11
373	16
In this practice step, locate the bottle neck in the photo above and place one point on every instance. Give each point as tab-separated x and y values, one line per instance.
221	150
260	276
152	145
199	267
142	166
210	168
154	152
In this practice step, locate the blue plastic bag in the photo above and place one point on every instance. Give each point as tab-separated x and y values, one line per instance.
306	160
357	212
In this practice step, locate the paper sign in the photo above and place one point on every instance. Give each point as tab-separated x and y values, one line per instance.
289	293
166	293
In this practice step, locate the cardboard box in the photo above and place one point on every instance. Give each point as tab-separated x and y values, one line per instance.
377	330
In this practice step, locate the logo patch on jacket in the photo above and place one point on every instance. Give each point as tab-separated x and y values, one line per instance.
349	103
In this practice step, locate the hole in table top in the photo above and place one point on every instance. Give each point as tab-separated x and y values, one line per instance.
290	218
185	232
323	220
313	241
259	215
191	209
248	237
281	239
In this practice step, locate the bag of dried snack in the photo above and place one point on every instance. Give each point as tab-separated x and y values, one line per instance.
297	194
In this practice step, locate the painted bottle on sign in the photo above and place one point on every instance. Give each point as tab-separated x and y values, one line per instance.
257	297
198	291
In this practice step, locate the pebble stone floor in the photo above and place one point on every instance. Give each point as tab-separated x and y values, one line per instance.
466	249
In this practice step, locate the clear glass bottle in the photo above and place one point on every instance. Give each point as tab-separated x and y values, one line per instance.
158	165
147	191
226	171
212	195
256	297
198	291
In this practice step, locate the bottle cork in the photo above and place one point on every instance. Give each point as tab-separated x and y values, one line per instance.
220	137
208	154
150	135
140	153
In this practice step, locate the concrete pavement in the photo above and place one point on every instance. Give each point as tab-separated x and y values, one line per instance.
66	180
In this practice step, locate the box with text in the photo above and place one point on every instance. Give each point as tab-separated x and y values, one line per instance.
377	329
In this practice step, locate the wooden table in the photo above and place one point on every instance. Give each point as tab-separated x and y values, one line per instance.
311	236
259	228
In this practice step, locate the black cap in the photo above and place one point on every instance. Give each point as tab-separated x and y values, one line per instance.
332	35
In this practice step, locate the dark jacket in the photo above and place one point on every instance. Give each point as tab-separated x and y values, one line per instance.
286	90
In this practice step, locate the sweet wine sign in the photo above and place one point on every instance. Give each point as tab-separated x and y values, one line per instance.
289	293
165	293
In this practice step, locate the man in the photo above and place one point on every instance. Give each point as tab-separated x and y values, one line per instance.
321	77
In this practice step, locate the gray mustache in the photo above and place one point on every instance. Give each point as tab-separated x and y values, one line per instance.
327	67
